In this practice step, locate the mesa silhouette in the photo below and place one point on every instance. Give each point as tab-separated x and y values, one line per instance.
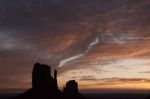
44	86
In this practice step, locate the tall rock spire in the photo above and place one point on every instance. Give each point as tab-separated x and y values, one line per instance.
55	79
55	74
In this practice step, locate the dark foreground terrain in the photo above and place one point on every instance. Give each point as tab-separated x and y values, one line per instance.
94	96
115	96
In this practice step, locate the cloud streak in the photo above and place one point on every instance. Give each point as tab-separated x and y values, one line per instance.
36	30
90	46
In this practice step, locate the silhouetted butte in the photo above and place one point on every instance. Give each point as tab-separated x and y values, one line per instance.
44	86
71	90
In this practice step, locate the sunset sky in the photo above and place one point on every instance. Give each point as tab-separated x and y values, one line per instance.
103	44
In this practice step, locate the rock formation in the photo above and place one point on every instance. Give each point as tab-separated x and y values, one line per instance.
71	90
44	86
71	87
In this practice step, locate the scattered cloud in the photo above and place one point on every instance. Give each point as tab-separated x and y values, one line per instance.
62	31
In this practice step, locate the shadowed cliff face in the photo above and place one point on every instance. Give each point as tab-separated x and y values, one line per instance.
71	90
44	85
43	81
71	87
40	76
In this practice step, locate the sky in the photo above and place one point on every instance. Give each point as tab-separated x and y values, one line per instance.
102	44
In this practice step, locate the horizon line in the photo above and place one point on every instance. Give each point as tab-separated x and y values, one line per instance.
92	91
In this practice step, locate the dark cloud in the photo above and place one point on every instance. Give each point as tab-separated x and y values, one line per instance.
52	30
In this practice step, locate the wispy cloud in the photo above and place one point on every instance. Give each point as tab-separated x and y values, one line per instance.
122	49
90	46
